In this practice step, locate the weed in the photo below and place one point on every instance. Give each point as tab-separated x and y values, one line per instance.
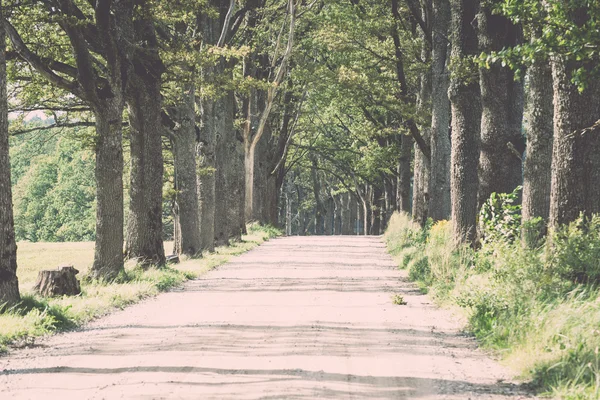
398	300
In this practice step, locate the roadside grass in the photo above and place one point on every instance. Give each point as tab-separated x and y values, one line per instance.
35	316
538	307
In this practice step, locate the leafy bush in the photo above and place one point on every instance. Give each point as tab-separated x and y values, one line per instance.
574	253
500	217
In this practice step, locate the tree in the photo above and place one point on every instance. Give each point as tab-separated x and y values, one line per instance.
102	88
502	142
466	120
439	192
144	241
537	169
260	106
574	60
9	284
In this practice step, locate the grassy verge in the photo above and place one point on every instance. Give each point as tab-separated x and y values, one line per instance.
36	316
538	306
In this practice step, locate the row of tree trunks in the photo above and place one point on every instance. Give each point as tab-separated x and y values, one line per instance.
340	214
576	150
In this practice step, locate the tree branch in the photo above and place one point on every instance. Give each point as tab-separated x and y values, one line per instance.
52	126
37	63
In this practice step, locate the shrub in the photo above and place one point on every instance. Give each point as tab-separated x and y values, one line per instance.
574	252
500	217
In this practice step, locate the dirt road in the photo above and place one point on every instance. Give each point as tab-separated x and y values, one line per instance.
296	318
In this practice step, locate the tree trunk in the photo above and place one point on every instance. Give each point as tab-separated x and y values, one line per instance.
9	284
347	222
329	216
288	212
422	165
320	210
439	193
366	216
235	180
337	221
224	122
187	219
538	160
108	252
206	176
249	181
404	174
144	240
502	142
377	208
271	209
576	150
466	122
366	210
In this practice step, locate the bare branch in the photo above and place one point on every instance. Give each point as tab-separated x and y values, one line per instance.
226	23
52	126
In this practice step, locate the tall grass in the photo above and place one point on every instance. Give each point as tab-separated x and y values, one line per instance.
538	306
36	316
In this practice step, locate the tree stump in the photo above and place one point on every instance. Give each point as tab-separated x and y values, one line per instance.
61	281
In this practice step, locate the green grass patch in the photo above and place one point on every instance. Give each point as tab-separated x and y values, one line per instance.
35	316
537	306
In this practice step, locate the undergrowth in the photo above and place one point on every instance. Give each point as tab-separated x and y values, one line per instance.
538	304
35	316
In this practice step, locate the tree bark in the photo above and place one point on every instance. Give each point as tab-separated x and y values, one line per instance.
420	211
9	283
144	240
108	252
187	241
377	208
337	220
224	129
404	174
502	141
466	122
422	165
538	160
576	149
347	226
235	181
439	193
320	210
206	175
329	216
354	215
